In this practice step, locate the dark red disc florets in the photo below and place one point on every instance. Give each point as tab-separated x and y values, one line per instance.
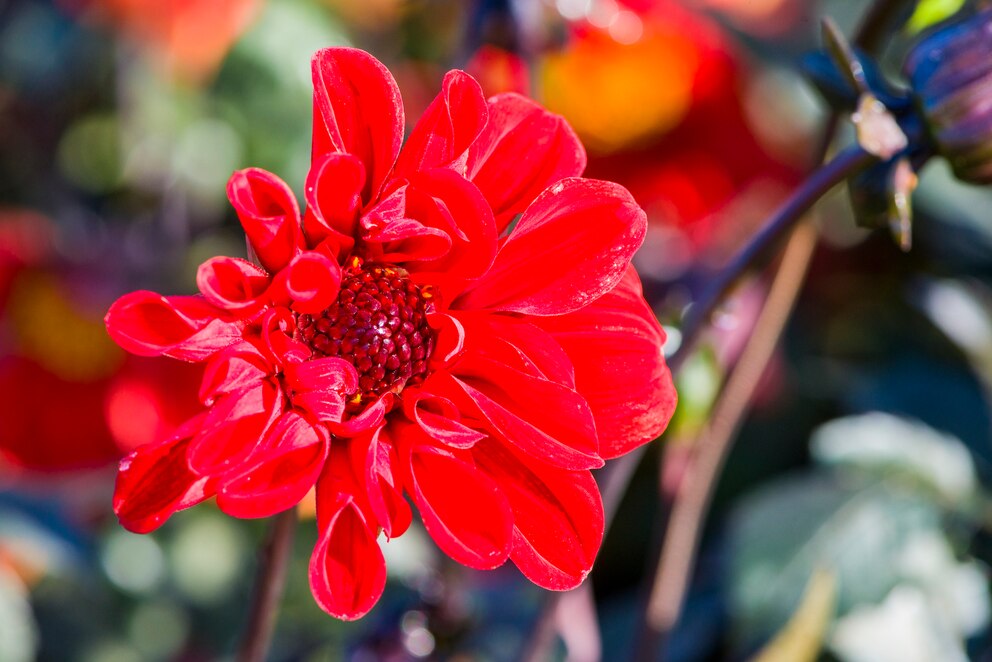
378	324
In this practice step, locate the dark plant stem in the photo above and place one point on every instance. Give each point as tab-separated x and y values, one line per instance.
270	581
846	164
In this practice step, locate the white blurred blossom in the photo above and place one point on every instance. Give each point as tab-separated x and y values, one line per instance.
882	442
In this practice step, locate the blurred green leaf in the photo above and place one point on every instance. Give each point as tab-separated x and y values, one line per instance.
89	154
931	12
780	534
886	447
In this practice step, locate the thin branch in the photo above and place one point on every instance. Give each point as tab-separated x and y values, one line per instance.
270	581
695	490
877	22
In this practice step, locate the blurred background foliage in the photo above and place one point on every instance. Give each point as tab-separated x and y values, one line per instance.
865	462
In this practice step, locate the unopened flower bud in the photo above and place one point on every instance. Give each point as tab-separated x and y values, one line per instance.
950	71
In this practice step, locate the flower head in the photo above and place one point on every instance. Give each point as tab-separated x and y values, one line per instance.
950	71
399	339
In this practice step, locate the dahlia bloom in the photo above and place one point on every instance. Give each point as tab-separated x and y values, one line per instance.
397	342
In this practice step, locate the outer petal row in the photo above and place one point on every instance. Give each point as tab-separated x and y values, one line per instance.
357	111
615	345
571	246
518	126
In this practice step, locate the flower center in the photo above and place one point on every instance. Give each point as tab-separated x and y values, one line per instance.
378	324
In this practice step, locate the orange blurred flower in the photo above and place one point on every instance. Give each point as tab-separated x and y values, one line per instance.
188	38
625	76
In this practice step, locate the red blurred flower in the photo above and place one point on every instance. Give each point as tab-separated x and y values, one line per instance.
399	338
498	70
70	400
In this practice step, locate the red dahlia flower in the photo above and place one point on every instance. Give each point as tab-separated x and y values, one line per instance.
400	339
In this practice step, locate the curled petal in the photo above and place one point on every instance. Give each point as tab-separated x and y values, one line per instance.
370	418
397	235
232	284
518	126
347	569
571	246
322	386
450	338
439	418
557	516
334	197
311	282
446	201
269	215
463	509
615	345
278	474
447	128
155	481
275	338
383	484
233	428
185	327
358	111
237	368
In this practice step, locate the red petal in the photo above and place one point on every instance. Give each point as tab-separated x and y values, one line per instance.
519	126
370	418
557	516
237	368
615	345
518	344
450	339
347	569
233	428
273	337
154	481
358	111
334	197
447	128
383	484
269	215
278	477
187	328
232	284
550	422
450	203
571	246
439	419
462	508
396	236
322	386
310	283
